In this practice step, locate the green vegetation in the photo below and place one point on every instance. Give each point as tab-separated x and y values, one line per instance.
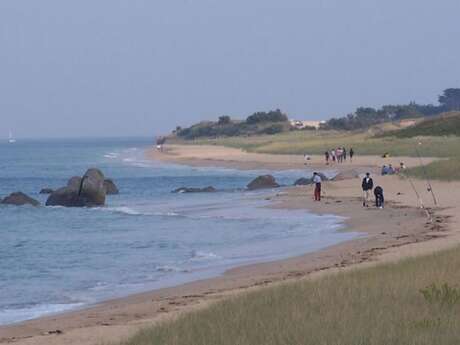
445	124
366	117
415	301
317	142
271	122
445	170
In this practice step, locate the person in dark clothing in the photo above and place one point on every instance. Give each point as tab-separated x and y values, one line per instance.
317	181
344	153
351	154
379	199
326	155
367	186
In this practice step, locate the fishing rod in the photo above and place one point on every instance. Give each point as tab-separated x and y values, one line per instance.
428	182
419	197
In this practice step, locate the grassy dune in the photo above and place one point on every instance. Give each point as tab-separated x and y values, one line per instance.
442	125
316	142
445	170
387	304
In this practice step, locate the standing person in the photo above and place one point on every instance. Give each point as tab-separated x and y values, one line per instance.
379	199
344	152
351	154
338	153
333	156
326	155
317	182
367	186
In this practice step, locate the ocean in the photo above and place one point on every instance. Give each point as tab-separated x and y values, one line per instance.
54	259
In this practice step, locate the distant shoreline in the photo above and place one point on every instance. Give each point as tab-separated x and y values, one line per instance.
397	231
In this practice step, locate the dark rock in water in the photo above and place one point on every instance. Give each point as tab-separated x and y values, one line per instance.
261	182
46	191
110	187
19	199
323	177
195	190
303	181
92	188
94	173
74	183
346	175
86	191
65	196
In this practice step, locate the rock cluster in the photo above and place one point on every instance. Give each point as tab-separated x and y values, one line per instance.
90	190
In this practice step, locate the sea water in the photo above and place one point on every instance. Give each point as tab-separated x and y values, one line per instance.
54	259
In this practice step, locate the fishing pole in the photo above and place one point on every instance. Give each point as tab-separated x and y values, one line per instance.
428	182
422	206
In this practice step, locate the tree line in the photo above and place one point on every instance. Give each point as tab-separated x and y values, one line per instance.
271	122
365	117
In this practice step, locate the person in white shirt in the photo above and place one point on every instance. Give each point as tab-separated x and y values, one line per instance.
317	181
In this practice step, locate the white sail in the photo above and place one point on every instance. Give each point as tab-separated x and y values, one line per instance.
11	139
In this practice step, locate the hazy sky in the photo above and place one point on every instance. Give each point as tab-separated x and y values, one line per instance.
139	67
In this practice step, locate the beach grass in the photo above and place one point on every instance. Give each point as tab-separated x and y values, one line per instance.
363	143
444	170
414	301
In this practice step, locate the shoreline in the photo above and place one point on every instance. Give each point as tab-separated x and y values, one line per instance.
403	231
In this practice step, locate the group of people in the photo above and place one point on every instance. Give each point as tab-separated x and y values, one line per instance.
390	170
367	186
338	155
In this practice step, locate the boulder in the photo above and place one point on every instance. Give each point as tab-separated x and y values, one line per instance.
110	187
19	199
74	183
86	191
303	181
92	188
65	196
346	175
209	189
323	177
94	173
262	182
46	191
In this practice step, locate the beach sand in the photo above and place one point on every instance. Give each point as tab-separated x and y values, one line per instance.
400	230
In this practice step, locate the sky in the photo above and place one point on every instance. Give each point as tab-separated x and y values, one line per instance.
141	67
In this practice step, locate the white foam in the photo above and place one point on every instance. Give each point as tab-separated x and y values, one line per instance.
111	155
8	316
202	255
124	210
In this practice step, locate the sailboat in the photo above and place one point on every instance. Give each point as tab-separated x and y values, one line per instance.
11	140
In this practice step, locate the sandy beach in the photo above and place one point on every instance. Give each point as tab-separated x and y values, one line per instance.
400	230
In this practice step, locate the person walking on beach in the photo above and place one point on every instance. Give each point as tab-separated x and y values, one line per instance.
344	153
367	186
326	156
317	182
351	153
